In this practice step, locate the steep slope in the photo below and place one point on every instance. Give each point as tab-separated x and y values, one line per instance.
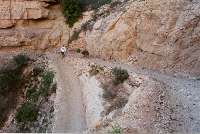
156	34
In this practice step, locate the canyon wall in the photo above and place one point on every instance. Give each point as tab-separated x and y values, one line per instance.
157	34
38	24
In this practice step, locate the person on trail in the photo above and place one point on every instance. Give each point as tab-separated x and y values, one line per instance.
63	51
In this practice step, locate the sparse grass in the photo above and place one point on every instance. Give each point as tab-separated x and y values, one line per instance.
28	112
116	129
119	75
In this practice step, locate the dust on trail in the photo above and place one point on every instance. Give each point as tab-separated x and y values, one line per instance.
186	89
69	107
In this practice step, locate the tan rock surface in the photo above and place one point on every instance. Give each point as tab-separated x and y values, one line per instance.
157	34
39	24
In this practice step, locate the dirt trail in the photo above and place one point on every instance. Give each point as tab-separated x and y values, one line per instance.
69	105
186	89
69	109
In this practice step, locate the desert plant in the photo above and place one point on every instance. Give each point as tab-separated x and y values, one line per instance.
37	70
21	60
28	112
78	50
32	94
119	75
9	80
116	129
47	80
71	10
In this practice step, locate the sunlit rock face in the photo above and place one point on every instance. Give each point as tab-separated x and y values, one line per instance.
160	34
36	23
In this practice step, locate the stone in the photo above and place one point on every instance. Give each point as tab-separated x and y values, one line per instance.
38	24
157	34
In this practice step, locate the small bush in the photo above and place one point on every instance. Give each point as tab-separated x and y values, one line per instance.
85	53
71	10
116	129
120	75
21	60
28	112
32	94
78	50
47	80
37	70
9	80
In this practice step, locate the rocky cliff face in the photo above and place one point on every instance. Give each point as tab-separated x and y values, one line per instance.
158	34
35	23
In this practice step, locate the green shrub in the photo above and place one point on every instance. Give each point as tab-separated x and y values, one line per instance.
120	75
9	80
47	80
32	94
10	74
116	129
28	112
37	70
71	10
78	50
21	60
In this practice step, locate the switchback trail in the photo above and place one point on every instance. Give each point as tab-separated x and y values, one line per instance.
70	108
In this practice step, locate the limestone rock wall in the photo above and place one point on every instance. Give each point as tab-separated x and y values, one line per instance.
35	23
158	34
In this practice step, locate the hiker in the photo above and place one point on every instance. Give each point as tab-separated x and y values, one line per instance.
63	51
